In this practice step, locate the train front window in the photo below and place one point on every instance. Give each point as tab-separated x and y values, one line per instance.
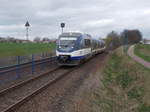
66	43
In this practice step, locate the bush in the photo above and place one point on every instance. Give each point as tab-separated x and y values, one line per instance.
136	93
114	72
124	79
144	108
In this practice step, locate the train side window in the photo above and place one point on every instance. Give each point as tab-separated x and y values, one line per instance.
82	45
87	42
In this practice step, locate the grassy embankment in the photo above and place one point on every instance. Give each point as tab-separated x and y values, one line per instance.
16	49
143	51
124	86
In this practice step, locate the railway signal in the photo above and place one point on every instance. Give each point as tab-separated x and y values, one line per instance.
27	25
62	26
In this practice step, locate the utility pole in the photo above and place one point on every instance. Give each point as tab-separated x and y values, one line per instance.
125	40
27	25
62	26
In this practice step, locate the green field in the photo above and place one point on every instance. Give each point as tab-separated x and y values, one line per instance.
143	51
18	49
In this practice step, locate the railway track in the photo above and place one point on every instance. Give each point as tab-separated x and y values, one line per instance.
25	65
12	97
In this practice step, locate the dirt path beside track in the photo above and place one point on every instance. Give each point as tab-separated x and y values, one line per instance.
138	59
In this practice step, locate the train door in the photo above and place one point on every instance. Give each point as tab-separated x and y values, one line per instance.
87	43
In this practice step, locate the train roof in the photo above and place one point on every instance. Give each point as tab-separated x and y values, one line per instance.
76	34
72	34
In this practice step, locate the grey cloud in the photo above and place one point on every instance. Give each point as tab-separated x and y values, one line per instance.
96	17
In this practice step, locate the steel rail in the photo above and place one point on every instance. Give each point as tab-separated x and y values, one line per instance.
39	90
2	92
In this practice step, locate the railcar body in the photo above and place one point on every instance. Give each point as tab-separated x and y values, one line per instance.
74	48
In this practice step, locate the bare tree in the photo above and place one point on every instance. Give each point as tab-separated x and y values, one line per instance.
37	39
45	40
113	40
131	36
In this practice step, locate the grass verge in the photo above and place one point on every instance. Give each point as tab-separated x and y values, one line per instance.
125	86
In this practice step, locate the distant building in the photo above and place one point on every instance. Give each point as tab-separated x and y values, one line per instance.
3	39
25	41
145	41
148	42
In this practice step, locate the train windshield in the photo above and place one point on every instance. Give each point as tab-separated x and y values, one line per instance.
66	43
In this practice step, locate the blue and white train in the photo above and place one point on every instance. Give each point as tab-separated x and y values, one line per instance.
74	48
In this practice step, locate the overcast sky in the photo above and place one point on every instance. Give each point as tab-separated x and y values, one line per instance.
96	17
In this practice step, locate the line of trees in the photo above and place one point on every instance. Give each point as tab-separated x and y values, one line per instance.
35	40
43	40
114	40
